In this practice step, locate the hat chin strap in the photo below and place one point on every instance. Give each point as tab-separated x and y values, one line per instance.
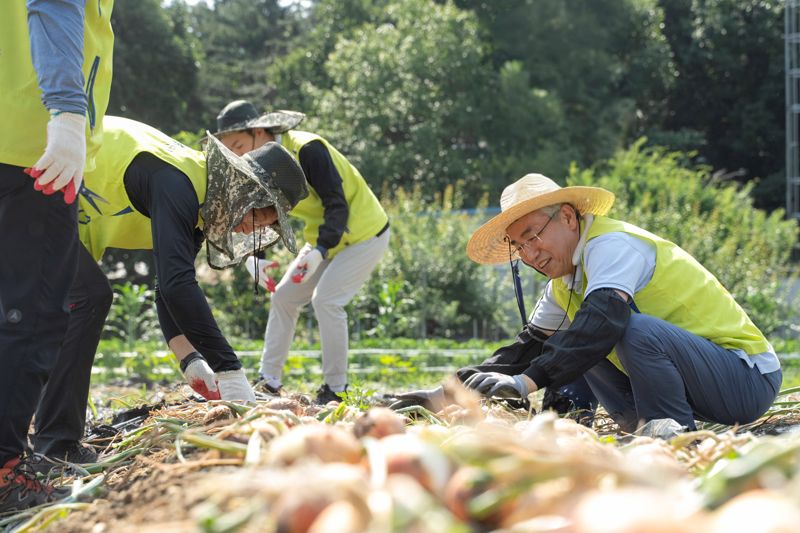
578	253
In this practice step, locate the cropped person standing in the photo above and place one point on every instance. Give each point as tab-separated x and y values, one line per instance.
346	233
56	59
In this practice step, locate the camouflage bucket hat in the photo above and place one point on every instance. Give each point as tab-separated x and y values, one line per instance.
268	176
241	115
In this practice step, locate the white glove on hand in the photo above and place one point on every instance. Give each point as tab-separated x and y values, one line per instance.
199	376
306	265
233	385
64	157
263	278
497	385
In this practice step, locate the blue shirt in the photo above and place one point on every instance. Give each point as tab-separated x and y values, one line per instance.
56	40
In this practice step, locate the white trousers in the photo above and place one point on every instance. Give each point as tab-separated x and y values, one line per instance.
332	286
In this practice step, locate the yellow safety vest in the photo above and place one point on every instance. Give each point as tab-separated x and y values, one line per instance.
366	216
24	133
106	217
681	291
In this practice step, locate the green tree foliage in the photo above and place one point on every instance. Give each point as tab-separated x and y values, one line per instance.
238	40
747	249
605	64
527	129
427	91
728	100
321	27
155	71
499	89
425	286
407	97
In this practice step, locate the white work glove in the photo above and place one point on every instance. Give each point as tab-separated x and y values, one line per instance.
233	385
61	165
497	385
306	264
263	278
199	376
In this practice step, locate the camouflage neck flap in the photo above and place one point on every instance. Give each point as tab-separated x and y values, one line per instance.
268	177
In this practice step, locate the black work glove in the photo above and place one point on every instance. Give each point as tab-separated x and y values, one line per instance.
431	399
497	385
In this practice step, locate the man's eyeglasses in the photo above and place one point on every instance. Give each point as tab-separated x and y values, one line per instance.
537	236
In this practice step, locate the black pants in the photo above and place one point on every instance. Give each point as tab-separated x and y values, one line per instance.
38	258
61	416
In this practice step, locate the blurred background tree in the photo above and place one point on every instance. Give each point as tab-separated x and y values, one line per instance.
423	92
676	105
155	65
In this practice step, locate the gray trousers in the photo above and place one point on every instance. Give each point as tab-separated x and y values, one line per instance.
329	290
675	374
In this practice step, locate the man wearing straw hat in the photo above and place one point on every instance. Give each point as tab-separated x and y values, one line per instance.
655	334
150	192
346	232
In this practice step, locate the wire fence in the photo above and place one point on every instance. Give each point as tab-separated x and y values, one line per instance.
363	361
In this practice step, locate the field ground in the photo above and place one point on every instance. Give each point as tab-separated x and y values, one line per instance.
177	465
171	463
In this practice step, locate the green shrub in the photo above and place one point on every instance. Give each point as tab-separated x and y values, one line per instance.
132	318
425	286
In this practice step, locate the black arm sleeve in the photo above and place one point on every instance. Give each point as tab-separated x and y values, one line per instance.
512	359
598	325
316	162
169	198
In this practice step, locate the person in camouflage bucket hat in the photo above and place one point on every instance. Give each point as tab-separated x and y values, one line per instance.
241	188
150	192
241	115
346	233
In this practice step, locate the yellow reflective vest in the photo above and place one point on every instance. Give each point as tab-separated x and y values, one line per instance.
106	217
24	133
366	216
681	291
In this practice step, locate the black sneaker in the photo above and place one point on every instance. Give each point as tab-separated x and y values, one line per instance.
78	453
325	395
75	453
19	489
261	385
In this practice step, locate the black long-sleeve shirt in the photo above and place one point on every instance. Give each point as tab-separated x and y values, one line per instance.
165	195
322	176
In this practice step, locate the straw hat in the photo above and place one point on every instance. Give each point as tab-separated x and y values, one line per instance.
529	193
